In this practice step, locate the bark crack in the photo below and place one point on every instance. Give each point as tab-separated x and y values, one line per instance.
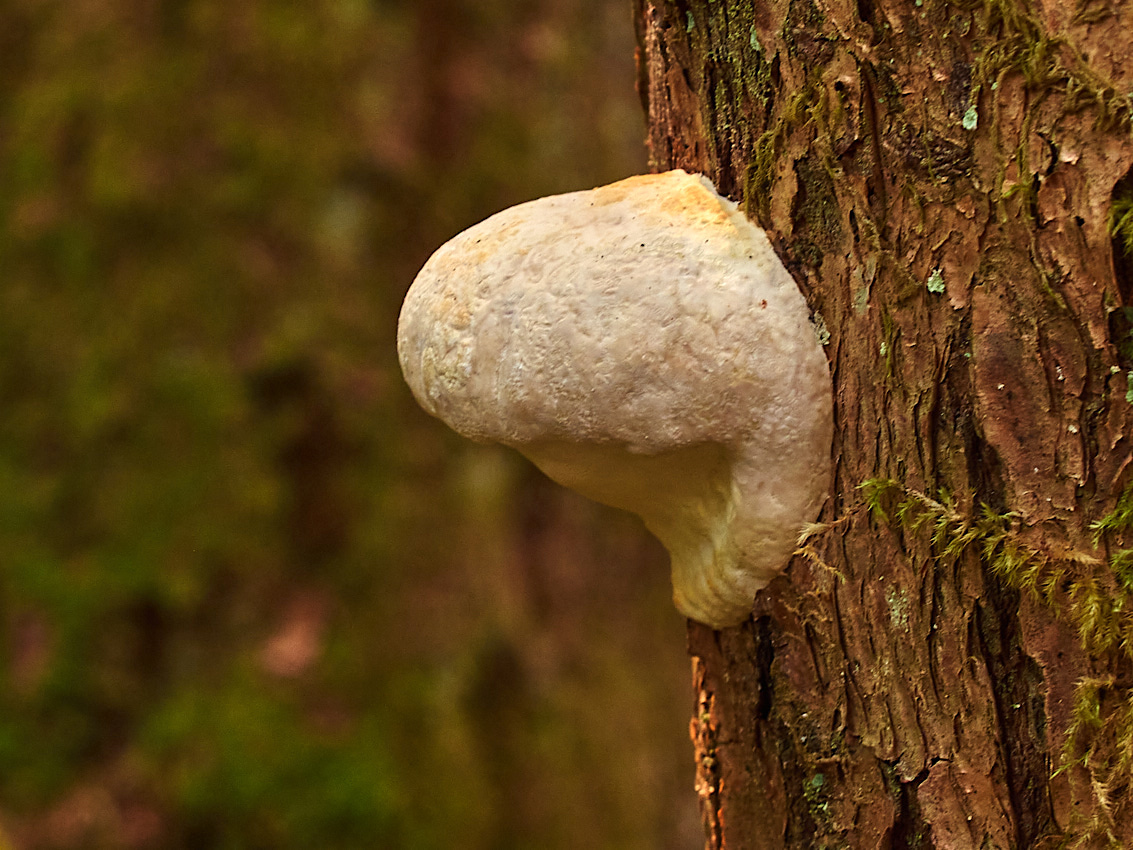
702	731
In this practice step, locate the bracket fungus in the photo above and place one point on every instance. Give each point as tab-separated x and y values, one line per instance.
642	344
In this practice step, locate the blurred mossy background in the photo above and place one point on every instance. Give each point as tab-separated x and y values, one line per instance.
250	595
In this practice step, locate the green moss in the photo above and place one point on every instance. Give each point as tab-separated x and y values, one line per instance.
733	84
816	213
1119	519
1014	38
1093	594
878	494
1120	222
760	174
1100	741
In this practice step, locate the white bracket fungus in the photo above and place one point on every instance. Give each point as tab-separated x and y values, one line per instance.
642	344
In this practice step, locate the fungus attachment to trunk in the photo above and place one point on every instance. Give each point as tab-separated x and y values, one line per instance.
642	344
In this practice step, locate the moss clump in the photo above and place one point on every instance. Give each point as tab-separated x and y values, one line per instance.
816	208
1120	222
1094	594
1118	520
765	153
1100	740
1091	592
1016	40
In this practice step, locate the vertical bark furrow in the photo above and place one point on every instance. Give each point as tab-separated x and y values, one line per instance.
1017	683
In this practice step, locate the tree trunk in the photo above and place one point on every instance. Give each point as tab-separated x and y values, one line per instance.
948	664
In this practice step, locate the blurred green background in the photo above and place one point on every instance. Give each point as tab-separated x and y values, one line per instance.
250	595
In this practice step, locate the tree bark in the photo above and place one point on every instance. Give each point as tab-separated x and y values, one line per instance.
949	664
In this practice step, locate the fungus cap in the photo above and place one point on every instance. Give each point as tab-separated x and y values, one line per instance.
642	344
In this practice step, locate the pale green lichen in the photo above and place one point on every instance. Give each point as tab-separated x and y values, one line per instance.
861	300
935	282
898	602
820	329
971	118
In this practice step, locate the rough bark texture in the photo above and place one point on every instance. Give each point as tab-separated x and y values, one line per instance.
937	176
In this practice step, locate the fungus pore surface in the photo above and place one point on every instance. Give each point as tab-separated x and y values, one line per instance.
642	344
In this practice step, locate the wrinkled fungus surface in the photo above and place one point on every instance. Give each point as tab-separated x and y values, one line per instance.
642	344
